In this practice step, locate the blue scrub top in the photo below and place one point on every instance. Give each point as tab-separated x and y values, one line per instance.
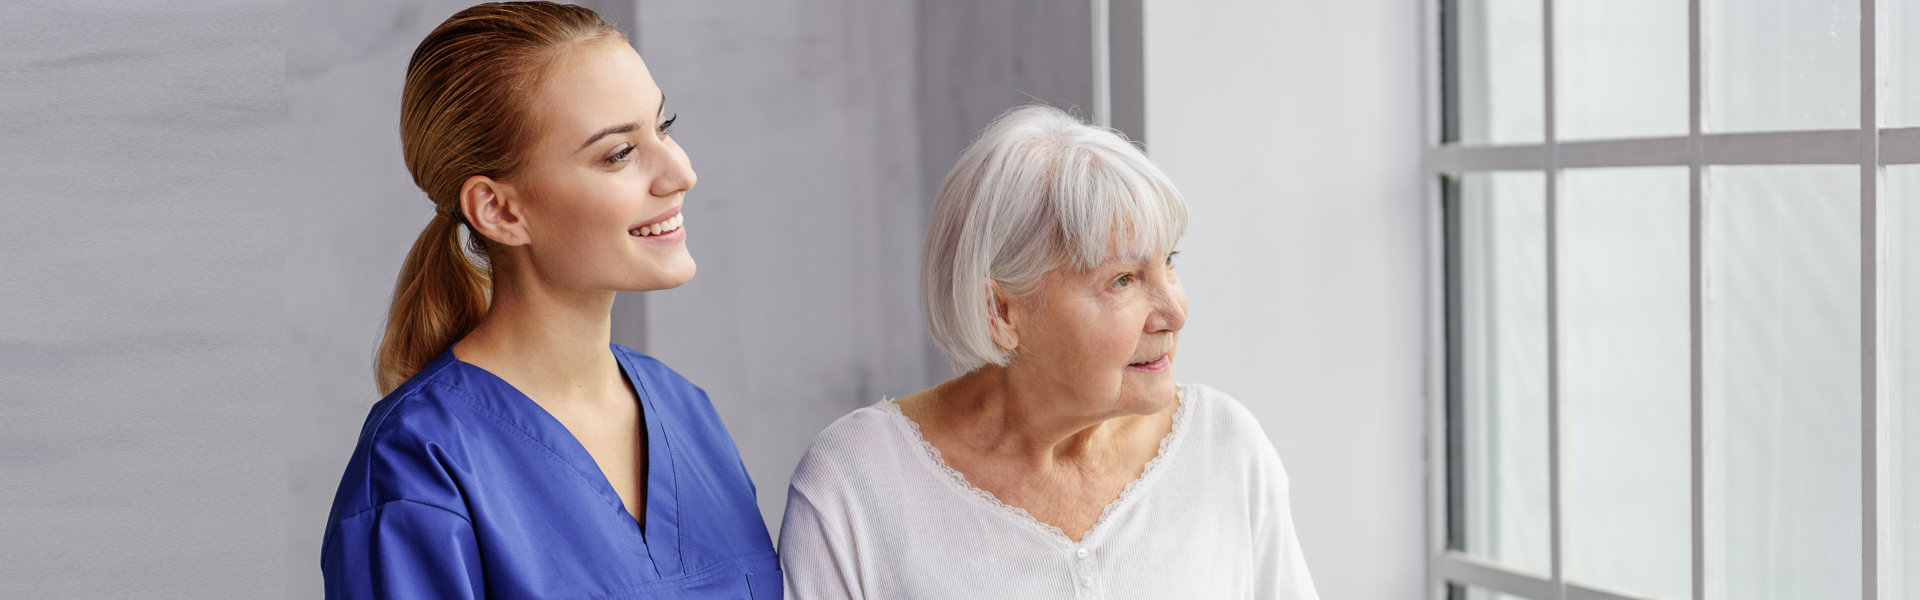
462	487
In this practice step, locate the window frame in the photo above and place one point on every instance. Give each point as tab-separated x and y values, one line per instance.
1869	146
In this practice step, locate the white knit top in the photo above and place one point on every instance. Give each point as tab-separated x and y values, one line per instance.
875	513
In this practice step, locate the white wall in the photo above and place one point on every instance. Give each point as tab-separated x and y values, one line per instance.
142	147
1293	129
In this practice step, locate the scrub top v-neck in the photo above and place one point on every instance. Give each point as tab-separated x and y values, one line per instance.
463	487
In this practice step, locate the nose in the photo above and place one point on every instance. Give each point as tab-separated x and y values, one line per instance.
675	174
1169	308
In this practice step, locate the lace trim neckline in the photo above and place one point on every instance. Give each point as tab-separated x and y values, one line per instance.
1127	494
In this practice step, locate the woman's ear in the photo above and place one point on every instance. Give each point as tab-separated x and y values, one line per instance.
493	210
1000	321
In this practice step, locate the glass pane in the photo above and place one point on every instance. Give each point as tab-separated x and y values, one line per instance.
1621	68
1498	72
1783	381
1900	207
1456	591
1900	46
1781	65
1625	381
1500	412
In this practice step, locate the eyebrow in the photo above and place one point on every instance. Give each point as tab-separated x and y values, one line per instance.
625	127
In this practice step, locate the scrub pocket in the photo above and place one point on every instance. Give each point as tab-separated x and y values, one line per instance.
764	585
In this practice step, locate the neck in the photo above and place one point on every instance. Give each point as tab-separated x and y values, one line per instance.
1023	418
550	343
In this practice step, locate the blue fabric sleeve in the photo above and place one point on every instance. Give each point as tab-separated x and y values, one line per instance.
403	549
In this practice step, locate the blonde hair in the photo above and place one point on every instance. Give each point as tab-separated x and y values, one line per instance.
464	112
1038	190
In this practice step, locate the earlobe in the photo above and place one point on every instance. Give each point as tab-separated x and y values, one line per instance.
488	206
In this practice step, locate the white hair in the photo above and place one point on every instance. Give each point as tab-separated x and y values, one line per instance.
1037	190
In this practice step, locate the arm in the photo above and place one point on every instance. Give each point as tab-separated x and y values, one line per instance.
816	553
1282	567
402	549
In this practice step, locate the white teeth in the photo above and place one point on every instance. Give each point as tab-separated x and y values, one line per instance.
657	228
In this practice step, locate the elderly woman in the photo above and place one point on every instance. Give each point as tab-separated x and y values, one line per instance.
1065	462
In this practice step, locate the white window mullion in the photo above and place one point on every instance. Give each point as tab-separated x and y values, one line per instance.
1549	110
1102	65
1832	147
1696	296
1578	592
1439	354
1900	146
1467	570
1873	446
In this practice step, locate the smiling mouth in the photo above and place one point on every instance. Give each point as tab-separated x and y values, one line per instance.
670	225
1155	364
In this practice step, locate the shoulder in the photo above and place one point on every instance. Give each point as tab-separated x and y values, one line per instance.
440	405
671	395
1229	432
410	444
653	371
660	380
429	405
854	449
854	431
648	365
1222	411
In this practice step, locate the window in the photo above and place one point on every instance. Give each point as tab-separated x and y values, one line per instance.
1679	299
1902	343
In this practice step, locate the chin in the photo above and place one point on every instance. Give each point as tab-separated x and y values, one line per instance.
1151	395
665	277
1164	393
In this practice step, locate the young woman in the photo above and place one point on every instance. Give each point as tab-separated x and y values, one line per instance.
518	453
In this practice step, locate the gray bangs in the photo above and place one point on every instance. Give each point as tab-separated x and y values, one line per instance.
1114	204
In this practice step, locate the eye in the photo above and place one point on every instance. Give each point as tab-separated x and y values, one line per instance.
666	126
1123	280
621	155
1170	256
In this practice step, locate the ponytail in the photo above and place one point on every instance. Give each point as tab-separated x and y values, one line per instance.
464	112
441	295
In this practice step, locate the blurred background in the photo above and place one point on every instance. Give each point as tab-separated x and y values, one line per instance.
1536	298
